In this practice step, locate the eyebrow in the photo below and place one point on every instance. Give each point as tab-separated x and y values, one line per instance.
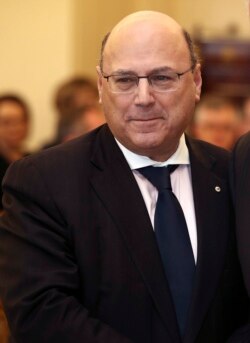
132	72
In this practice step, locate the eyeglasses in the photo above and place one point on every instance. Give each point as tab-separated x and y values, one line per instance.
160	82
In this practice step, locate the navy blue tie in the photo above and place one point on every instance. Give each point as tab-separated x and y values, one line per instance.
173	241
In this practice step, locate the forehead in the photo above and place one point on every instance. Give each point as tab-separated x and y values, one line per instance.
11	109
145	45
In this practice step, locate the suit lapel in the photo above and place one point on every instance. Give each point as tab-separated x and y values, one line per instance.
211	208
119	192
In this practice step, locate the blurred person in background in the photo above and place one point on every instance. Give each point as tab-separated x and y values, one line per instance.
14	128
246	115
217	120
71	97
82	121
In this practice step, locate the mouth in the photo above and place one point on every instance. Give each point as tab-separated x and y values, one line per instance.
146	120
146	124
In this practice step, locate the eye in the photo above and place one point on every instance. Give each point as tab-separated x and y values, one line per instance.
125	79
162	78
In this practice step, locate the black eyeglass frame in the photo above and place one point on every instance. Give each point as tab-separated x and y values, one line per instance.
148	76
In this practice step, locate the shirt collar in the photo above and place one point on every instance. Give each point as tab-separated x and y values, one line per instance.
135	161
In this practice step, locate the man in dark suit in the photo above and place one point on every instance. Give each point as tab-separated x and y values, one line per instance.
79	258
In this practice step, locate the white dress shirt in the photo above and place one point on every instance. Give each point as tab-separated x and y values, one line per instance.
180	180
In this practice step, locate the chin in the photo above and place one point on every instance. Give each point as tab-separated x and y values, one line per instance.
145	147
149	138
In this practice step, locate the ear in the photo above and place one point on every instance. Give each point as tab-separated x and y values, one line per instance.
197	81
99	82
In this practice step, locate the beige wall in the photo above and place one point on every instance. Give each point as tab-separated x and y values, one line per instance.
36	53
45	41
95	19
213	15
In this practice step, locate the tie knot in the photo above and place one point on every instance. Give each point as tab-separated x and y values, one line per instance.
158	176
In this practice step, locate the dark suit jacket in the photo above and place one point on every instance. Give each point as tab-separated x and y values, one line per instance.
241	192
4	164
79	261
241	161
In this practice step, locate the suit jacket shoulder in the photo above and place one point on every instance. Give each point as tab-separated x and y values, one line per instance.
210	155
241	158
240	173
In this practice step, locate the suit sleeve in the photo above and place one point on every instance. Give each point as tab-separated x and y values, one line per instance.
39	281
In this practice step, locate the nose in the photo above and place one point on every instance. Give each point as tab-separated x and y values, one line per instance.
144	95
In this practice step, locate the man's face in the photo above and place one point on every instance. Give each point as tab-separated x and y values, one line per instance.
148	122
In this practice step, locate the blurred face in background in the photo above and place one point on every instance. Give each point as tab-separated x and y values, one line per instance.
91	119
88	119
85	96
219	126
13	124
